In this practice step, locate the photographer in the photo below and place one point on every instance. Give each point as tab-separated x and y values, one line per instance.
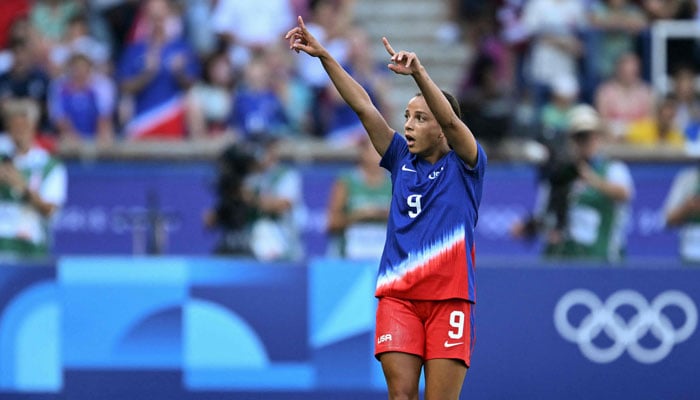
32	185
235	210
259	203
682	211
277	195
587	196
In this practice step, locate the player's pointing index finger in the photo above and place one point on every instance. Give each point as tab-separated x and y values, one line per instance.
301	24
388	47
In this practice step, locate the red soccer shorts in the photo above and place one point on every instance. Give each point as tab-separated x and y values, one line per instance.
426	328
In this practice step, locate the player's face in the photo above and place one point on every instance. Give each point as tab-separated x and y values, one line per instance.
421	129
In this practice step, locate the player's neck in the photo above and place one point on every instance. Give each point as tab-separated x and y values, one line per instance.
436	154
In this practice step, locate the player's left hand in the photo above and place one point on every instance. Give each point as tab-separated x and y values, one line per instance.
402	62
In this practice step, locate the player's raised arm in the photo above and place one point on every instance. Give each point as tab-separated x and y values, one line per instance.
380	133
458	135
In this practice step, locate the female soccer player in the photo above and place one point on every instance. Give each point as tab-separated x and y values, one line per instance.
425	284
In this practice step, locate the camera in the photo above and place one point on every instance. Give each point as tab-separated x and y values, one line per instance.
234	207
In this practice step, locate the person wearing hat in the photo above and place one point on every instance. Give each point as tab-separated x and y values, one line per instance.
596	205
581	208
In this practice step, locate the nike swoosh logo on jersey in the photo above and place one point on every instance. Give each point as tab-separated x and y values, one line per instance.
405	168
448	344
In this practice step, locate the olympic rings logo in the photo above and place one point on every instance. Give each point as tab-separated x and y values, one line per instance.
625	335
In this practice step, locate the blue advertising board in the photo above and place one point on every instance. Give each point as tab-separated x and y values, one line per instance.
209	328
586	333
112	207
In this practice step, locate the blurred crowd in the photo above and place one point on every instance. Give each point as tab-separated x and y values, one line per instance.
121	70
538	59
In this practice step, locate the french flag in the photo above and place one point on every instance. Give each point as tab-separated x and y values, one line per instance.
165	121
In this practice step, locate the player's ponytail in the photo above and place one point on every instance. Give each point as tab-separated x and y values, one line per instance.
453	103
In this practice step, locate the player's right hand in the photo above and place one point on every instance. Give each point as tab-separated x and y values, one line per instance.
402	62
301	40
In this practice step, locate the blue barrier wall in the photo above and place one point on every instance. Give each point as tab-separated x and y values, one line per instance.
108	204
204	328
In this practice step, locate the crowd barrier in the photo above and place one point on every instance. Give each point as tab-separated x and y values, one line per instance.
113	208
212	328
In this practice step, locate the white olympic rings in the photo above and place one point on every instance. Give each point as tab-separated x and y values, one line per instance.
625	335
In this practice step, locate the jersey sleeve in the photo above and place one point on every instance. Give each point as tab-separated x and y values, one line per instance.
477	171
396	151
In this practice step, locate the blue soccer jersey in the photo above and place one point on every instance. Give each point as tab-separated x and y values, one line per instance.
429	251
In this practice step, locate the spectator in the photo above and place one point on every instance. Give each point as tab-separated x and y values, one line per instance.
343	125
669	9
290	88
692	138
554	118
234	211
26	80
464	20
584	212
487	102
156	71
597	203
658	131
117	18
10	12
209	101
330	22
686	94
81	104
625	98
257	109
198	27
682	210
358	210
259	203
617	24
49	20
248	27
554	136
555	47
77	39
20	31
32	185
277	194
513	32
173	22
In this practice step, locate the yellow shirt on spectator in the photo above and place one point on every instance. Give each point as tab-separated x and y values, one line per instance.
646	132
